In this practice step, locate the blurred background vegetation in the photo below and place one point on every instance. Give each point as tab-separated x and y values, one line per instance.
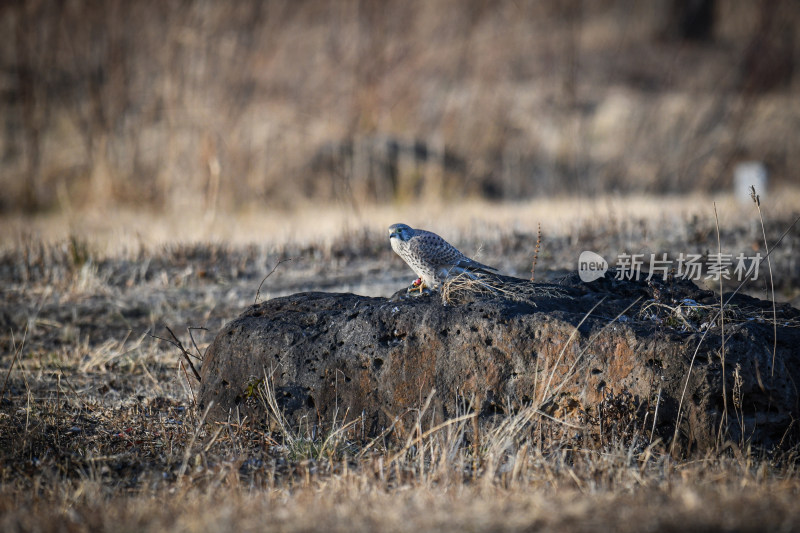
232	105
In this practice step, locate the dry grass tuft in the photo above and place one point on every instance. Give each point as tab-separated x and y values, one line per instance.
465	288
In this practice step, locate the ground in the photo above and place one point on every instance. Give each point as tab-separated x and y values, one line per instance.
98	428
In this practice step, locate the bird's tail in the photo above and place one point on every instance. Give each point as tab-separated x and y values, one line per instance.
474	266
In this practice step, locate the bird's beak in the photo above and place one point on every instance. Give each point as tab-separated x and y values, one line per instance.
392	234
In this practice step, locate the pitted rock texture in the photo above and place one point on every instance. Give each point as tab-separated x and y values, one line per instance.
561	346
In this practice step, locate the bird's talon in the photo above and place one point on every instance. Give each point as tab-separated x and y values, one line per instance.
417	285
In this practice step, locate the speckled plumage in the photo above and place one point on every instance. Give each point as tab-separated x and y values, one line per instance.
432	258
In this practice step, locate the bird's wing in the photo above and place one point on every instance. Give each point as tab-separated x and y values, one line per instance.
434	250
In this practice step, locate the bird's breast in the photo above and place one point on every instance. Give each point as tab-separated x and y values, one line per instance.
396	245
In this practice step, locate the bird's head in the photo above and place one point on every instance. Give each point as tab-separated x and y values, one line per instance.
400	231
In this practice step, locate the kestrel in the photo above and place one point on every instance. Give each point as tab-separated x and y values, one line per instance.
432	258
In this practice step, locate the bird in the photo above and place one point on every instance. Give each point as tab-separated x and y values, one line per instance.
432	258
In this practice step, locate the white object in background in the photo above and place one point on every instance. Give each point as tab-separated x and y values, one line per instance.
747	174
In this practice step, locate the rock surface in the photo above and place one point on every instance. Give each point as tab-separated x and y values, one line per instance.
562	347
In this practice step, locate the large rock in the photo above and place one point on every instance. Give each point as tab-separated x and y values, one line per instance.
562	347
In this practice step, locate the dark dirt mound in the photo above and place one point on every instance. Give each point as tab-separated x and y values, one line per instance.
565	348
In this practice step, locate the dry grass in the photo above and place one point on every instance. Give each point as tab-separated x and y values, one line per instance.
577	218
191	106
711	495
98	430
